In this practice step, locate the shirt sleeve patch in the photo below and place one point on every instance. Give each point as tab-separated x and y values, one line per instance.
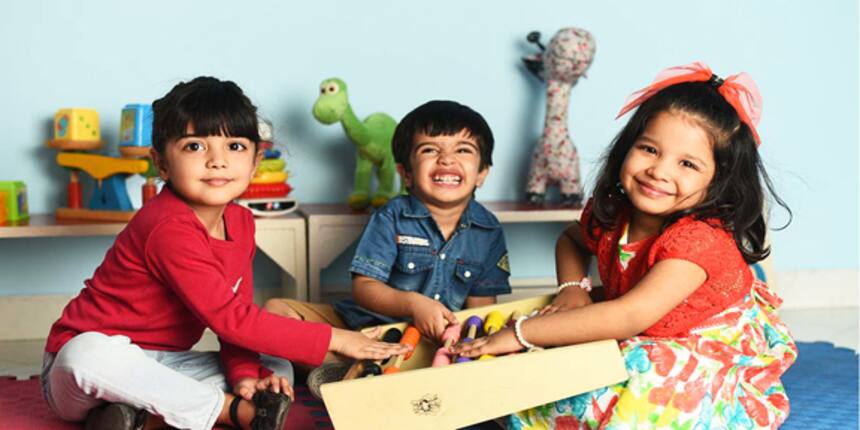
504	264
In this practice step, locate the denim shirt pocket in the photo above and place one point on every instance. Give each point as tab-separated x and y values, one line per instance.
411	269
465	275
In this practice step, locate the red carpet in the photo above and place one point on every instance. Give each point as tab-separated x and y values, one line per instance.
22	407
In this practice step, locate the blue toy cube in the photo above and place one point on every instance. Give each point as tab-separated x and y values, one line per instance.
136	125
15	201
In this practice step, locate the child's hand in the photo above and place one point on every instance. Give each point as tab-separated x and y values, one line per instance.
246	387
499	343
361	346
569	298
431	317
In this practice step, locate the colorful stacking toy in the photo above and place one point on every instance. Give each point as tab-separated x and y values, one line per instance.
268	193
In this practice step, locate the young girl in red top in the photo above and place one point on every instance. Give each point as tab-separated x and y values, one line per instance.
120	357
676	216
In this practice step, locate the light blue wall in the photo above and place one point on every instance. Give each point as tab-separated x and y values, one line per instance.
395	55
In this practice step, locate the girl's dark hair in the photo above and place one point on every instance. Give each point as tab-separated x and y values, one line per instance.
736	194
446	118
212	106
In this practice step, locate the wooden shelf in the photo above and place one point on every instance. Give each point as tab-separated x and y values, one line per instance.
281	238
505	211
43	225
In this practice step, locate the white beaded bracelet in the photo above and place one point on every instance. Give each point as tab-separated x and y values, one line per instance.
585	284
519	334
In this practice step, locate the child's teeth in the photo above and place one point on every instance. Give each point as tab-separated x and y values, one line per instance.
447	179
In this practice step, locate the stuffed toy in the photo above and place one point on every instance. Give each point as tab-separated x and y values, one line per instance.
372	138
555	161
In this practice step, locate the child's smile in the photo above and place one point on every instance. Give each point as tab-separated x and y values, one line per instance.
447	179
652	190
217	182
445	169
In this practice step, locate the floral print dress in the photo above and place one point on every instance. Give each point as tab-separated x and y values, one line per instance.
701	368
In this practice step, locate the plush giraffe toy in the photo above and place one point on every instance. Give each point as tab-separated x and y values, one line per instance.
372	137
555	160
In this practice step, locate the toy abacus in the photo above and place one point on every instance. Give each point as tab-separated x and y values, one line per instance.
420	396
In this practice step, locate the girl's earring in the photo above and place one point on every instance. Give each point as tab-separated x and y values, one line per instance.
620	188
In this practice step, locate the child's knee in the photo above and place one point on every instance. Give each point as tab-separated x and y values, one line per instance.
88	348
281	307
280	367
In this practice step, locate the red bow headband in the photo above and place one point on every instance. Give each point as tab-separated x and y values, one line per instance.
739	90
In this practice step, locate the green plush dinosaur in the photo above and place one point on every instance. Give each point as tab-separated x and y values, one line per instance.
372	137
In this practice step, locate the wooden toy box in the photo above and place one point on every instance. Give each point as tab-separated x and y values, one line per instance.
454	396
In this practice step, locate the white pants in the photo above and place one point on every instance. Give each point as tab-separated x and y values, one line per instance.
186	388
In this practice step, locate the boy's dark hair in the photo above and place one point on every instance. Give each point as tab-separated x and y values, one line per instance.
735	195
441	117
212	106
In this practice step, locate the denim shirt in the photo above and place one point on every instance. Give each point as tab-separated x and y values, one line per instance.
403	247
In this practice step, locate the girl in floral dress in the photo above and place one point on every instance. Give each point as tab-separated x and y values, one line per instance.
676	217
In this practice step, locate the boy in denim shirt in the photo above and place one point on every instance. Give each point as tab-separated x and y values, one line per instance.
435	250
431	252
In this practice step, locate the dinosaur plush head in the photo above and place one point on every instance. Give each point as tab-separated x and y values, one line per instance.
332	102
568	55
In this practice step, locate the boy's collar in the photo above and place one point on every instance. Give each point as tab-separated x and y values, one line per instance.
473	214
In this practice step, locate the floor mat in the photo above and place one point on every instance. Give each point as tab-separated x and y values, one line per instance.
22	407
821	386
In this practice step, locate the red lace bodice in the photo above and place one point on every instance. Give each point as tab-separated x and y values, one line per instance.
704	243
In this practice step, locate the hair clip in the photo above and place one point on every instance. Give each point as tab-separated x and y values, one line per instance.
715	81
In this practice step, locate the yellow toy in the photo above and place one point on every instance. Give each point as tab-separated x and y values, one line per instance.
77	130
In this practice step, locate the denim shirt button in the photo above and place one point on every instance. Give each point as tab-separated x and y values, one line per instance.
411	265
436	297
467	274
442	256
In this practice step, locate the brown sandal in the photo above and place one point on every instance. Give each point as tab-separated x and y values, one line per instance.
116	416
271	412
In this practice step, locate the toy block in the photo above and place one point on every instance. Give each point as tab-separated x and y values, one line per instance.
15	201
77	124
135	127
2	208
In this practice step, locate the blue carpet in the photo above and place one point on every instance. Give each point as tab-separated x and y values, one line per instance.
822	388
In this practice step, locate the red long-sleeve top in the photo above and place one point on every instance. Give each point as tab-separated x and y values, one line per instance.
165	279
